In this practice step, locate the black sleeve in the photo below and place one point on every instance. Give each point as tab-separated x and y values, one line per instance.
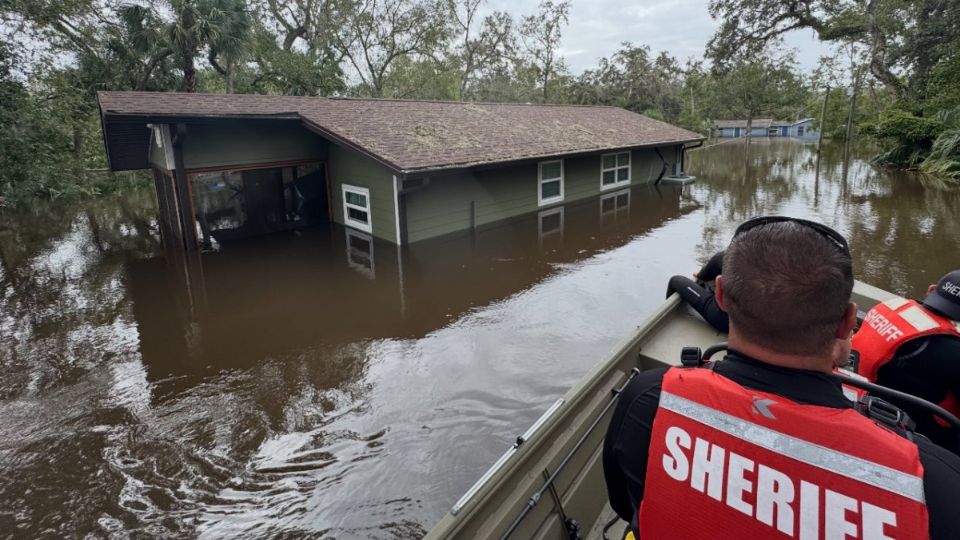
702	300
928	368
944	353
626	442
712	269
941	486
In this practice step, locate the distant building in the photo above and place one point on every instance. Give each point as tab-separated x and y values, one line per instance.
766	127
235	165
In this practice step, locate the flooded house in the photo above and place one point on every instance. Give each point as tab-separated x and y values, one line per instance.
401	171
766	127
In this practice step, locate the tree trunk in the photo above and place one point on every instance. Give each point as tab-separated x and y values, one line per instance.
823	127
228	77
749	127
463	85
189	72
879	65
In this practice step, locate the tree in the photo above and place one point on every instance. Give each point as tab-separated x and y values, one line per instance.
633	80
294	48
480	51
220	25
902	37
374	34
757	86
541	35
228	38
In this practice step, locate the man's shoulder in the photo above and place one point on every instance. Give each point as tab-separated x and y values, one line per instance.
941	472
937	346
645	382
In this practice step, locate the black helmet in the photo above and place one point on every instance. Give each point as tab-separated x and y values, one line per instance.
945	299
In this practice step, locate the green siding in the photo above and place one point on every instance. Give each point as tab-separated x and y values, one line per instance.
458	201
229	144
349	167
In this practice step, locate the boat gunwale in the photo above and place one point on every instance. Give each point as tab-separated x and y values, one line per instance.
581	391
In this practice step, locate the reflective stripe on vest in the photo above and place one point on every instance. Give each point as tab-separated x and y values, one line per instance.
889	325
728	462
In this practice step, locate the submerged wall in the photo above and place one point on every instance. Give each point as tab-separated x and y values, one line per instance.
470	199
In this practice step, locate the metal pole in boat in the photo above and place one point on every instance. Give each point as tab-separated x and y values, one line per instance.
535	498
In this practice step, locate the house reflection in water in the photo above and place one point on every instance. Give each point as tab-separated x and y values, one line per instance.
276	295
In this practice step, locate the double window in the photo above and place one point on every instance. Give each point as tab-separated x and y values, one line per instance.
356	208
614	170
551	183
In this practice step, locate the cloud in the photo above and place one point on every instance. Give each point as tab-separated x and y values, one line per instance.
680	27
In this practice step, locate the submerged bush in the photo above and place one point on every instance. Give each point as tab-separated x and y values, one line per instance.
930	144
904	127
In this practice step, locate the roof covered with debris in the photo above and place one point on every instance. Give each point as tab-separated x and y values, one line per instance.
405	135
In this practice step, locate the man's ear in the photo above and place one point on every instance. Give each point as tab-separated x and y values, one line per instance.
931	288
847	322
718	293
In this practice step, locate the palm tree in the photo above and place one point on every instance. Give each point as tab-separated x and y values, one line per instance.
229	38
221	25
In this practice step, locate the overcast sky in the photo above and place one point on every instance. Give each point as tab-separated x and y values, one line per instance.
680	27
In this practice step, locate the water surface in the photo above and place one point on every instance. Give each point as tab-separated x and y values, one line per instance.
322	384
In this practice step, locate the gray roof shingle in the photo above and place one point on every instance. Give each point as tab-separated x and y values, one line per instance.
411	136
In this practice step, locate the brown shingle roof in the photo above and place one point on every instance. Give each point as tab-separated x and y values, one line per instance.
411	136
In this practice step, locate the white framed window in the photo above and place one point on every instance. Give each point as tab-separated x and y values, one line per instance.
614	205
550	185
360	253
356	208
799	131
614	170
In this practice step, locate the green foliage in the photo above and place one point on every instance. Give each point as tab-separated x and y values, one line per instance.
904	127
654	113
421	79
944	158
930	144
633	79
943	89
760	86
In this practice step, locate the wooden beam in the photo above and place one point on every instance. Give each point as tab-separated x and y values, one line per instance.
327	180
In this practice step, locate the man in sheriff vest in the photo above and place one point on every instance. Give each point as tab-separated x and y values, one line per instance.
914	347
765	445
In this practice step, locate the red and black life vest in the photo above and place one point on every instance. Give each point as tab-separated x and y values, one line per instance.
891	324
726	462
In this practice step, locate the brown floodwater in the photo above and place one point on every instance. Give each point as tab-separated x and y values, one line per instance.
320	384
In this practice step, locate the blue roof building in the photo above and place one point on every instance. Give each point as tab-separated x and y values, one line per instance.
766	127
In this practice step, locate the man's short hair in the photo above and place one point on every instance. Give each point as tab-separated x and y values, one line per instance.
786	287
